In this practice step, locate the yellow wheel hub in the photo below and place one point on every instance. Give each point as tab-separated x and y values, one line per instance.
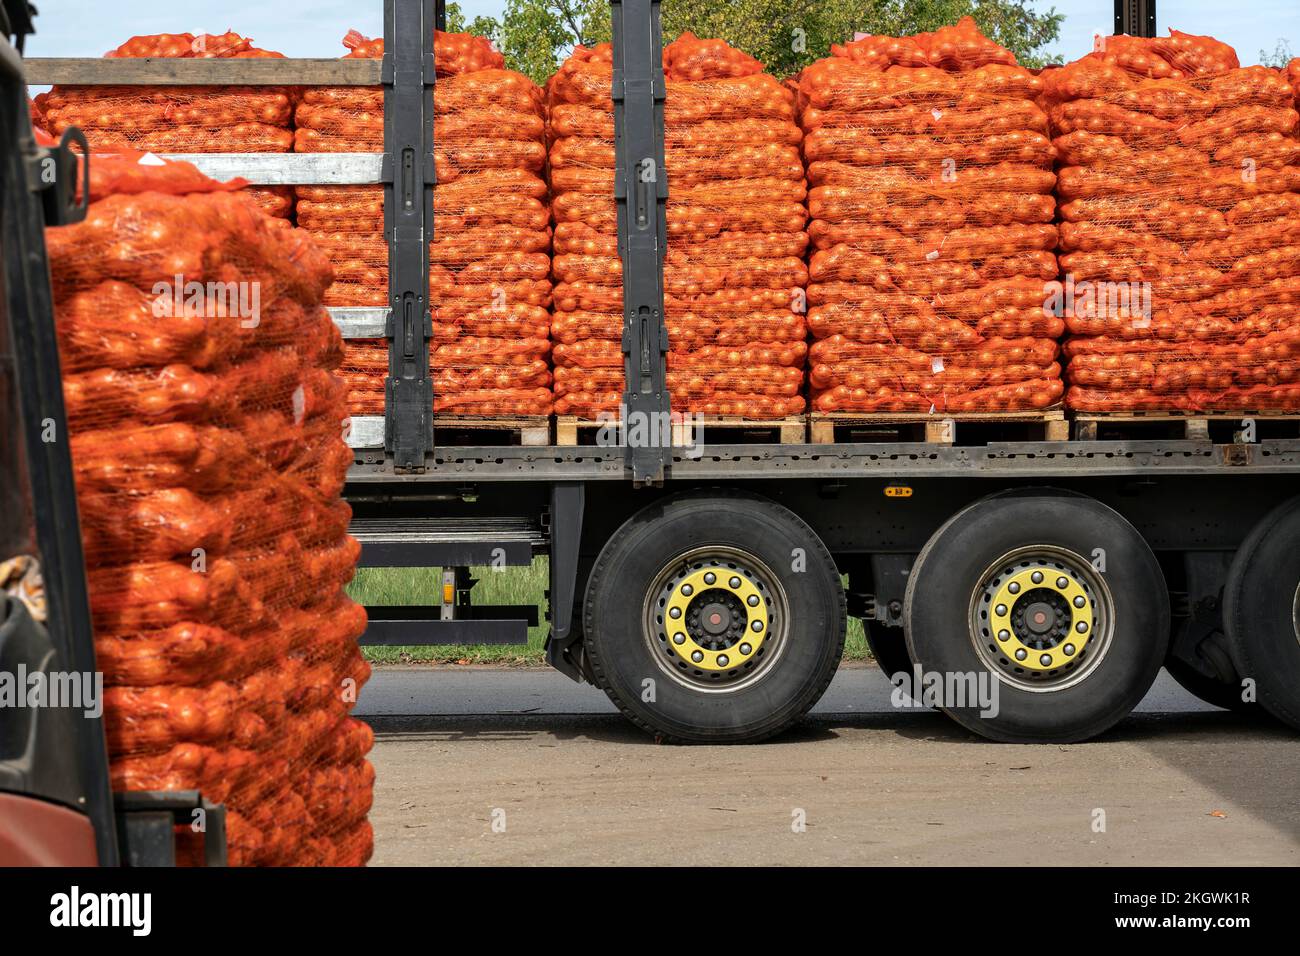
716	619
1041	618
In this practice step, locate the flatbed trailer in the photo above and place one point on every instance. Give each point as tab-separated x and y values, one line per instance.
706	587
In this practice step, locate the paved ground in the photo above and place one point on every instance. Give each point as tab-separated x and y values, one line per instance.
566	781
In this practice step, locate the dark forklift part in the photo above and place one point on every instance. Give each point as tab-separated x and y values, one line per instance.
641	190
41	522
16	21
147	822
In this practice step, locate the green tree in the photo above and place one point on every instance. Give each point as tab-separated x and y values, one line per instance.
786	35
1280	56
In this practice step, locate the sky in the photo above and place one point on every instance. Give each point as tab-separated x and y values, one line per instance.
315	28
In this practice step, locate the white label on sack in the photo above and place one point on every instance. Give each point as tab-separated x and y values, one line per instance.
932	255
299	405
149	159
936	365
937	114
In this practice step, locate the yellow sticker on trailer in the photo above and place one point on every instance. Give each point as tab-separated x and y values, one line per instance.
898	491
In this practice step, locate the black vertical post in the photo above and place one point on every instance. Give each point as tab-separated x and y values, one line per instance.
641	189
408	174
1135	18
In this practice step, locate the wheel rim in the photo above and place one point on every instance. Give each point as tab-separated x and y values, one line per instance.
1041	618
1295	613
716	619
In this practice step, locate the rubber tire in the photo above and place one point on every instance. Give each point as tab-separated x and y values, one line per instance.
1257	612
945	575
612	618
1214	692
888	647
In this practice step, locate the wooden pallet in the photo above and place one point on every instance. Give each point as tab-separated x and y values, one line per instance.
1188	426
828	428
718	430
530	430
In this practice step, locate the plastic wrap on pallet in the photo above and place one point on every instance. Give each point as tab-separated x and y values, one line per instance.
1180	228
183	119
206	427
734	274
932	227
490	287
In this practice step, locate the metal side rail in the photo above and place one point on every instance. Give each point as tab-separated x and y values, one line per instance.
396	542
906	460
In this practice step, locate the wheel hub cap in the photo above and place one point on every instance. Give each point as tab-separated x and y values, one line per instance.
1041	617
716	619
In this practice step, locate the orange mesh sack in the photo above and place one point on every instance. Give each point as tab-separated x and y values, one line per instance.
183	119
490	287
734	273
932	227
1179	189
206	430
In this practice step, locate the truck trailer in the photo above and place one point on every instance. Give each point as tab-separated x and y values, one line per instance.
702	571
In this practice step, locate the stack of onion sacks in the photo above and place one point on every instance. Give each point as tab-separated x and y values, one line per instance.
206	427
490	285
734	273
183	119
932	177
1180	215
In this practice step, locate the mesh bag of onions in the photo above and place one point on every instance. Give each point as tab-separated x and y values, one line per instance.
490	285
183	119
933	235
734	274
1180	228
206	429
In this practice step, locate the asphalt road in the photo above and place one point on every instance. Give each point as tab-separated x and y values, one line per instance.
483	766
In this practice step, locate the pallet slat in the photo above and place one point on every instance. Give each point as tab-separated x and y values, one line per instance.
694	431
1190	426
938	429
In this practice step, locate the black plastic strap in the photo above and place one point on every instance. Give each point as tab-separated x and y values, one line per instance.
641	189
408	75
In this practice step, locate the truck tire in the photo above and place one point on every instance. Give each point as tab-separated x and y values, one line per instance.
760	608
1012	590
1261	612
888	647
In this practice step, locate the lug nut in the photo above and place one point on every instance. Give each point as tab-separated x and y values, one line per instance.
679	638
745	649
1069	650
1000	610
756	626
1036	577
1004	635
1045	660
1082	627
723	660
710	577
753	600
1021	654
1080	601
697	656
675	612
1014	587
735	583
1062	583
687	590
